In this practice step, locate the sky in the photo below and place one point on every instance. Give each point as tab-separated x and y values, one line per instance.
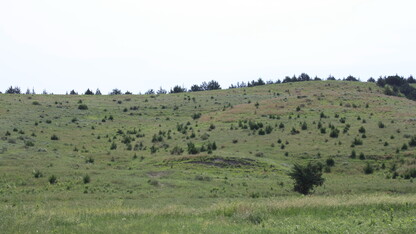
139	45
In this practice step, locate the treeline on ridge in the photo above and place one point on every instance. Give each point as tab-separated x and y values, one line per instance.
393	85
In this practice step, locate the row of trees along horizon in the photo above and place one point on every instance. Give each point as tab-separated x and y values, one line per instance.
393	86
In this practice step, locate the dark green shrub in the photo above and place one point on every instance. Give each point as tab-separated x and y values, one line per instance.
306	177
113	146
212	146
89	160
203	178
362	157
361	129
196	116
176	150
205	136
381	125
52	179
368	169
37	174
86	179
410	173
412	141
353	154
157	138
319	125
54	137
153	182
269	129
404	147
294	131
83	107
334	133
330	162
356	141
153	149
255	195
304	126
346	128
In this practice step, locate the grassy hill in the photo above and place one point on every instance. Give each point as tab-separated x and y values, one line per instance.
214	161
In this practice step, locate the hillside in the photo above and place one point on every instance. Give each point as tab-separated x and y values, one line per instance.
195	150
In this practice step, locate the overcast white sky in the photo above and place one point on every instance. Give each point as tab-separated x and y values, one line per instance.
138	45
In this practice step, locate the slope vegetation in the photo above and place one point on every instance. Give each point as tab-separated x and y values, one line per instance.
202	148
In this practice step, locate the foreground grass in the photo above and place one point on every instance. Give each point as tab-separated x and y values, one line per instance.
376	213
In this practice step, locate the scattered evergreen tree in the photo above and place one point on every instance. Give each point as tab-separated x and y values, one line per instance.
351	78
161	91
177	89
86	179
368	169
196	88
83	107
213	85
116	92
11	90
88	92
353	154
149	92
54	137
306	177
334	133
304	126
412	141
52	179
330	162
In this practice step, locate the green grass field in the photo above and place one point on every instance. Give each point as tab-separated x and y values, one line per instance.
208	162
